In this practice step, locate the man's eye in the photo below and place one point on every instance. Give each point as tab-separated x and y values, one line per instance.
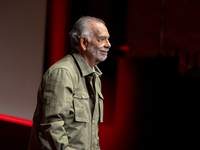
103	39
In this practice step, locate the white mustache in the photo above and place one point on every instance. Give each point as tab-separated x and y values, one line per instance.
105	50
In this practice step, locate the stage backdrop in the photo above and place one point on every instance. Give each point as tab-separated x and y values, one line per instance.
22	35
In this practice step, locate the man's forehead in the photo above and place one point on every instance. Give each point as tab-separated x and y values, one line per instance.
99	28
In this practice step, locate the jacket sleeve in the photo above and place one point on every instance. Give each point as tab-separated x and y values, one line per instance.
57	98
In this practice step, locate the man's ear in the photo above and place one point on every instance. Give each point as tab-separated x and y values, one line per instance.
83	43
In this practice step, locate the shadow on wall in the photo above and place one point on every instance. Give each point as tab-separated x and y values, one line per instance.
14	136
156	108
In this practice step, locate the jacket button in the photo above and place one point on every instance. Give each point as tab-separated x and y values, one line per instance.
67	133
82	96
91	96
92	121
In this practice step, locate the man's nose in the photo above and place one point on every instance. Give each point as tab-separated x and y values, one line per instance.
108	45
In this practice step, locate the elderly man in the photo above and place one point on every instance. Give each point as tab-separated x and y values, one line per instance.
70	102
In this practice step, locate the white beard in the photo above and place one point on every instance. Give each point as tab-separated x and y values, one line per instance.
97	53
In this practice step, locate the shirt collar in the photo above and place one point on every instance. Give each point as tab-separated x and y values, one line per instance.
84	67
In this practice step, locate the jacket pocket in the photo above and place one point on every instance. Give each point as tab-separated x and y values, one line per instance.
81	102
100	107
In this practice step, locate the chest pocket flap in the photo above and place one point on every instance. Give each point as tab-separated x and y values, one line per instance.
81	103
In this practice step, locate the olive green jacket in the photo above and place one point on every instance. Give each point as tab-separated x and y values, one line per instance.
63	119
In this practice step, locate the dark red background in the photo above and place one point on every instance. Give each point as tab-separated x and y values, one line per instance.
151	91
